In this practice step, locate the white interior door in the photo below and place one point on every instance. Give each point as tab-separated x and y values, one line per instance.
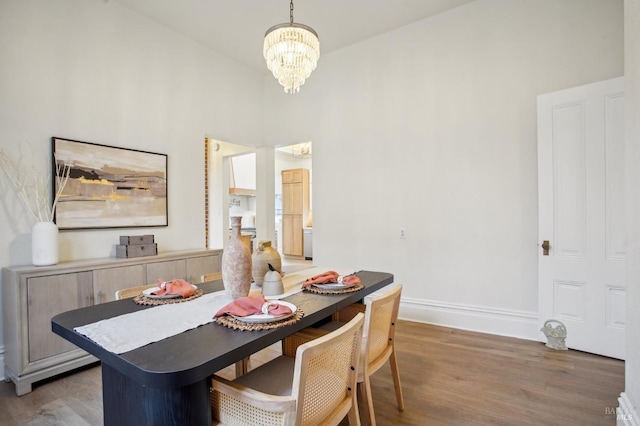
581	215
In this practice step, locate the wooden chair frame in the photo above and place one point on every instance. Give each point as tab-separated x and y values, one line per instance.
306	396
381	315
128	293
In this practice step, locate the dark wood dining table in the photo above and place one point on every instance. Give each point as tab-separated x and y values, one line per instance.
167	382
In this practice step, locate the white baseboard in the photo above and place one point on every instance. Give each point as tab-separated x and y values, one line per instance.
520	324
626	415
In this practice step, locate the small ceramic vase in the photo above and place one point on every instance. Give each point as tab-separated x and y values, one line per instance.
262	256
272	284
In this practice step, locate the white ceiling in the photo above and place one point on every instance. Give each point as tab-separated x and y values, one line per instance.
236	28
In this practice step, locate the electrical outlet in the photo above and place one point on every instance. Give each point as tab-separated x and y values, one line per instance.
403	233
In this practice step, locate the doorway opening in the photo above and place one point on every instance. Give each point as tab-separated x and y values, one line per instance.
247	181
223	196
293	216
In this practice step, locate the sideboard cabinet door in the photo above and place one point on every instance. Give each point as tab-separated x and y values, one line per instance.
198	266
165	271
107	281
48	296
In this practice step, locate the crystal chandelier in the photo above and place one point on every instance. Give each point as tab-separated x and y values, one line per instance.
292	52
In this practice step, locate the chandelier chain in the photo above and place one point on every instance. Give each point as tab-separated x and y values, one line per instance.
291	12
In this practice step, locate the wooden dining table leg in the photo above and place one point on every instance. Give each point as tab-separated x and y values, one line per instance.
126	402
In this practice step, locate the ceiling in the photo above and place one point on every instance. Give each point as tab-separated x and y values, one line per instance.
236	28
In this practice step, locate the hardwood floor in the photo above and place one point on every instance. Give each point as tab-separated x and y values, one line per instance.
74	399
456	377
449	377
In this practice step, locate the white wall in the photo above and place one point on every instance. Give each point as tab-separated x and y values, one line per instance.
95	71
432	128
630	399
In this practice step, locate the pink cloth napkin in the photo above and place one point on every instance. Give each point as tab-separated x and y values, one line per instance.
177	286
332	277
250	305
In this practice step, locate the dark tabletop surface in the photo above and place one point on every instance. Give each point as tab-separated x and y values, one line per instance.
195	354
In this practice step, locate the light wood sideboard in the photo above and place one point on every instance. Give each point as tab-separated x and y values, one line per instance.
32	295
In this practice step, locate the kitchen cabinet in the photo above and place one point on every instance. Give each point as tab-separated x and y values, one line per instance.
295	210
32	295
292	236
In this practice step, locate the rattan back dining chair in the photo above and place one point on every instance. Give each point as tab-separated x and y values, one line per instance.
127	293
212	276
378	341
316	387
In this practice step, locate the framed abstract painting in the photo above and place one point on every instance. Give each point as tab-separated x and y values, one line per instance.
109	187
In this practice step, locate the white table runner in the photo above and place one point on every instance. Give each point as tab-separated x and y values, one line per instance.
131	331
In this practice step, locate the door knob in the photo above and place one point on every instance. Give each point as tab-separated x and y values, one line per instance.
545	248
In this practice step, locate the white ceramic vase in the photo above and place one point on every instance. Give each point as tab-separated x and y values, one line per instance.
236	263
44	244
272	284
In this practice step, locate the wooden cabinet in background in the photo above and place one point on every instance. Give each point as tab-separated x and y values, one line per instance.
295	210
32	295
292	234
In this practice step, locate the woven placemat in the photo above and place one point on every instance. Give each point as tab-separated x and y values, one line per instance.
141	299
352	289
231	322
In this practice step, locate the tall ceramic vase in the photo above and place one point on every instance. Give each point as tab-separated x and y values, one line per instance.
44	244
236	263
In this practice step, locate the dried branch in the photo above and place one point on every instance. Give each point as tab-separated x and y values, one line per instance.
32	186
62	176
